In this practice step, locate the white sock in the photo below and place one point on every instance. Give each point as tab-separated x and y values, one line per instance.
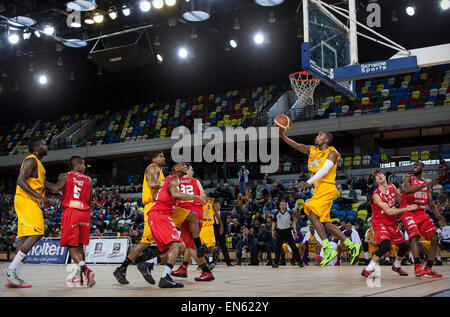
17	260
210	259
153	260
397	263
81	263
371	265
366	255
438	258
387	259
19	266
166	271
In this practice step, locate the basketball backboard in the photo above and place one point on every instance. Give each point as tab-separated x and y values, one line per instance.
330	48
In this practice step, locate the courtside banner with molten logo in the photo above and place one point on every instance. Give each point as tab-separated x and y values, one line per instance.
47	251
106	250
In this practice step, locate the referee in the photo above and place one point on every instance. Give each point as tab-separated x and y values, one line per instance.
283	232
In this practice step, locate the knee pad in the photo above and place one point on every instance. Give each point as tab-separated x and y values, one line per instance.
384	247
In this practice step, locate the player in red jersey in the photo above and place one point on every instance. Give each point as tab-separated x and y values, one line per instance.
416	190
384	224
192	186
160	221
76	191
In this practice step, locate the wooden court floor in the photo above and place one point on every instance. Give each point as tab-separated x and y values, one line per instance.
237	281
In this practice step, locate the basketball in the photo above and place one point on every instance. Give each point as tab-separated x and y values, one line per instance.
283	121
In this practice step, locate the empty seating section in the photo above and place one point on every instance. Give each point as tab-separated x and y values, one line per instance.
424	89
157	120
14	137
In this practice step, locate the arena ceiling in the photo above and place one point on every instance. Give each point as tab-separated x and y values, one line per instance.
212	69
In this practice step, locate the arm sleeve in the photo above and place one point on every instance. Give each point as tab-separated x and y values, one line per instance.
321	172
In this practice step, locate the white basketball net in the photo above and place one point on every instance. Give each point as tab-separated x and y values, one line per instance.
304	85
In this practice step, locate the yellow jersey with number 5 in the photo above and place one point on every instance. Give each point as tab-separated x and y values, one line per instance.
208	214
316	160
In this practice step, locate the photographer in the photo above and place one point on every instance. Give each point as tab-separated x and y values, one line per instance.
243	179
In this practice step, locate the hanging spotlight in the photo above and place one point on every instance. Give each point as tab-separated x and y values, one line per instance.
37	33
126	10
236	25
196	10
43	79
272	18
233	43
13	37
49	29
182	52
145	5
98	17
171	3
75	24
158	4
112	12
160	58
194	34
258	38
156	42
394	17
445	4
410	10
81	5
89	19
269	3
26	35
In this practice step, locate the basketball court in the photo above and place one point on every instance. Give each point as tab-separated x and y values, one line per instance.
237	281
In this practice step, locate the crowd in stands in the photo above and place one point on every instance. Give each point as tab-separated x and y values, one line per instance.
249	206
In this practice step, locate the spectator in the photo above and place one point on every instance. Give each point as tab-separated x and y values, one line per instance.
302	177
360	184
264	243
291	205
243	179
352	195
350	181
305	194
269	206
394	179
116	197
246	244
278	189
228	192
292	185
267	179
265	188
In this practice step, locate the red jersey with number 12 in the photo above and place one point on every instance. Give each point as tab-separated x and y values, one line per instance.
390	199
189	186
77	191
164	201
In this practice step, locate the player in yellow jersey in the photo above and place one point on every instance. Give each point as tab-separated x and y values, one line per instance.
29	199
322	167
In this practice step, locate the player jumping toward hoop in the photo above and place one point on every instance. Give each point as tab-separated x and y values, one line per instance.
322	166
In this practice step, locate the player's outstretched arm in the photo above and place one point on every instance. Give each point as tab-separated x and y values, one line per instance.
392	211
60	184
298	146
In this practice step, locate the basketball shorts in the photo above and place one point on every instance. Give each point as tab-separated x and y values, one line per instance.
147	235
321	201
30	220
163	229
207	236
75	227
389	232
418	222
186	234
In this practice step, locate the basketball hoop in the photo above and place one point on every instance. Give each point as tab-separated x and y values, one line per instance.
304	85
